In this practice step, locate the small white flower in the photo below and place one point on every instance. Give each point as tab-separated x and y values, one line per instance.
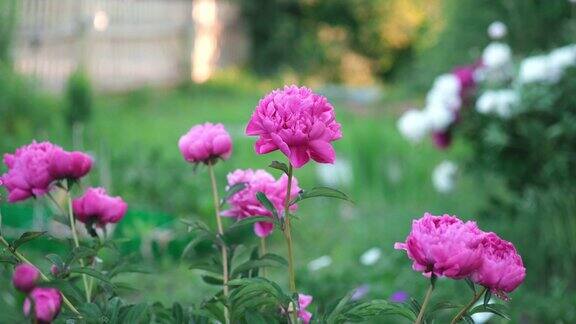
535	69
497	30
371	256
319	263
444	176
497	55
561	59
499	102
439	117
414	125
445	92
337	174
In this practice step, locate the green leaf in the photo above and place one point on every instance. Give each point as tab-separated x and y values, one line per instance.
214	268
90	310
468	319
25	238
178	313
81	252
249	221
113	310
498	309
471	284
212	280
135	313
267	204
279	166
320	192
267	260
487	296
339	307
231	191
92	273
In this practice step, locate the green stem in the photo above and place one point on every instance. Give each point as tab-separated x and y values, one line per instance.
262	253
221	234
23	259
76	241
464	310
288	236
425	303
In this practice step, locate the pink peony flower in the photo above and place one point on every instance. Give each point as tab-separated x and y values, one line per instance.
298	122
303	302
69	165
97	207
28	171
444	246
245	203
46	303
205	143
502	269
25	277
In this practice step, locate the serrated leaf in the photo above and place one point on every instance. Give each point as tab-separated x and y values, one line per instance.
320	192
231	191
279	166
267	204
25	238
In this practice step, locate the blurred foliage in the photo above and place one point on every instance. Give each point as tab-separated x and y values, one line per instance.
7	21
351	41
79	98
26	111
534	153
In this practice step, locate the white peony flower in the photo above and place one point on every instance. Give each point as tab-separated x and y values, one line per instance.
445	92
371	256
319	263
439	117
337	174
444	176
497	55
536	69
499	102
414	125
561	59
497	30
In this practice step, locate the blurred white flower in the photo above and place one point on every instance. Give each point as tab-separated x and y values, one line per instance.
337	174
497	30
371	256
535	69
414	125
444	176
439	117
561	59
497	55
319	263
445	92
499	102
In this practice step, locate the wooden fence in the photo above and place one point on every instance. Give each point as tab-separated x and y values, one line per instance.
123	44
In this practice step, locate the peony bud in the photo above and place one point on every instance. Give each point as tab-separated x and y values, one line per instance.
25	277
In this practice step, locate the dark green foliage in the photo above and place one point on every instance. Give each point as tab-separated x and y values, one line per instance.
79	98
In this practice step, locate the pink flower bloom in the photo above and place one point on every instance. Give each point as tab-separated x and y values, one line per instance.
69	165
245	203
97	207
303	302
25	277
46	303
444	246
502	269
28	171
298	122
205	143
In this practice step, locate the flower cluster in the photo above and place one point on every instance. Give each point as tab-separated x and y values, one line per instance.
298	122
447	246
96	207
45	302
34	167
245	203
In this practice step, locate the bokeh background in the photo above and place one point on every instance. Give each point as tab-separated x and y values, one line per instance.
124	79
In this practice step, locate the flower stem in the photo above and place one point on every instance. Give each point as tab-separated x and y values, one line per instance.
288	237
464	310
425	303
23	259
76	241
262	253
220	233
